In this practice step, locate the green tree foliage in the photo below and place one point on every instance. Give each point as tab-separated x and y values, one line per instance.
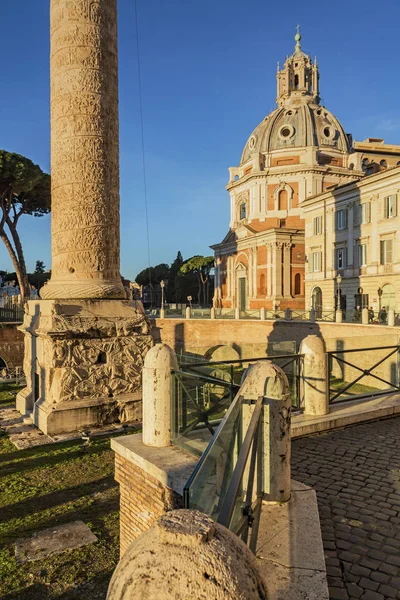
24	190
40	267
153	275
201	267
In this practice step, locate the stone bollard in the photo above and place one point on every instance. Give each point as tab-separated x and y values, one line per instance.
262	314
187	555
314	375
266	379
157	395
339	316
390	317
212	313
288	314
237	313
162	313
365	316
312	315
188	313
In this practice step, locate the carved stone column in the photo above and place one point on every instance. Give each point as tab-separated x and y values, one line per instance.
84	150
84	342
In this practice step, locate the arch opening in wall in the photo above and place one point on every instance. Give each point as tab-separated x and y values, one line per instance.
242	211
279	200
3	364
316	302
388	298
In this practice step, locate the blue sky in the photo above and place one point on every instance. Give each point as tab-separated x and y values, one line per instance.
208	78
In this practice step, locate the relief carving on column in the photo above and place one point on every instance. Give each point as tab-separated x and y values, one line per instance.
84	151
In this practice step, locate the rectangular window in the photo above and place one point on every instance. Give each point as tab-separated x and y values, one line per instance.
341	219
361	255
363	213
316	261
340	258
386	252
317	225
390	206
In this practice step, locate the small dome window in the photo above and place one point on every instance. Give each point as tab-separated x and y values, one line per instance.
383	163
398	163
252	142
286	132
351	166
328	132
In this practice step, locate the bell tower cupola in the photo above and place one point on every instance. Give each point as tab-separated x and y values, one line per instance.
298	81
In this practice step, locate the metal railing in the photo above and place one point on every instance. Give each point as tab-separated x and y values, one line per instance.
203	392
373	372
11	310
222	484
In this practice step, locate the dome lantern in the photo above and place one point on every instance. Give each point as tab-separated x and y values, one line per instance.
298	81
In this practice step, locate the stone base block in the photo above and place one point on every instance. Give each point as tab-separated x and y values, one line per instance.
24	401
83	363
67	417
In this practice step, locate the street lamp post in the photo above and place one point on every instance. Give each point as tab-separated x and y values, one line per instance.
162	285
339	314
162	310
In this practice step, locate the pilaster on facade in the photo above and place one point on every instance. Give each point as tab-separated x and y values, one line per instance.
287	269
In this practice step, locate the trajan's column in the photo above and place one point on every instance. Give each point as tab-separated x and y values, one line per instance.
84	341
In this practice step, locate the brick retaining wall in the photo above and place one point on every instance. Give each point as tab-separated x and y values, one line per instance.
143	500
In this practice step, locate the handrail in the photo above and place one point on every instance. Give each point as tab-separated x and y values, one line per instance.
228	505
331	352
205	378
336	354
240	360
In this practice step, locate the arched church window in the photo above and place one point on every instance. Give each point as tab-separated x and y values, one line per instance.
283	200
351	166
243	211
364	164
398	163
262	285
296	82
383	164
297	284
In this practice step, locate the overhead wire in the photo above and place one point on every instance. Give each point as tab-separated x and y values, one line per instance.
143	150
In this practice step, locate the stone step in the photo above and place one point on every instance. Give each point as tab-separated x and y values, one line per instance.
27	419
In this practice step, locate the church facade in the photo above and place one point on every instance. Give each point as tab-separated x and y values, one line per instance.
298	151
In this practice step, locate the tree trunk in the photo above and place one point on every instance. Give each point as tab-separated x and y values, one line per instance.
21	273
15	262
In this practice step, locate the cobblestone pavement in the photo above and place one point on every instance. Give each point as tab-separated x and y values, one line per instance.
356	474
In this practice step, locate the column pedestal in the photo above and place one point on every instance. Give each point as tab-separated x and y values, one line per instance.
83	363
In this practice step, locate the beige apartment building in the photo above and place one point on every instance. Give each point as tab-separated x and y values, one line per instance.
352	244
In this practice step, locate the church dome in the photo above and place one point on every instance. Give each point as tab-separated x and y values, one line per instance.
306	124
300	120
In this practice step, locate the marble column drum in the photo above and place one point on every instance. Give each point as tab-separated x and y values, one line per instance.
84	151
